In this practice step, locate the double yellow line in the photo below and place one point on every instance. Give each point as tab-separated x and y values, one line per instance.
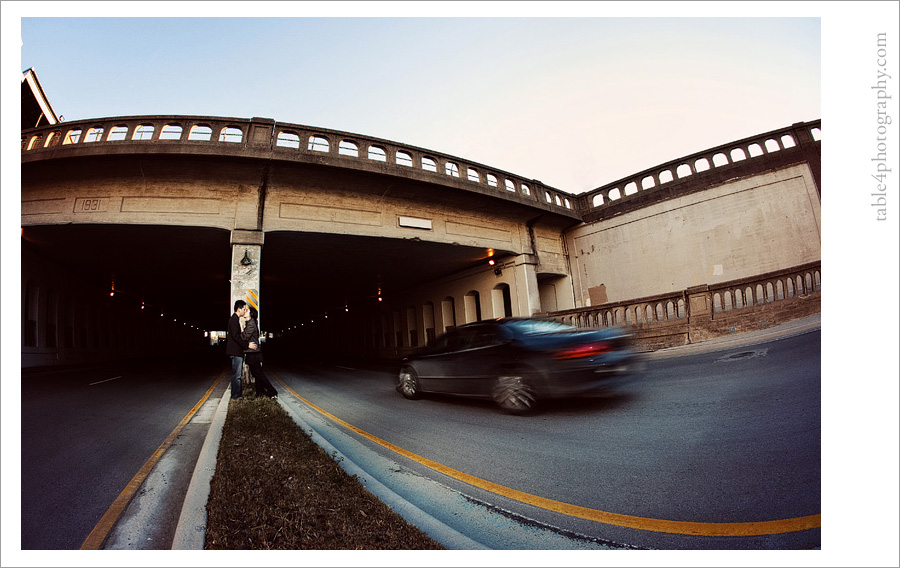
641	523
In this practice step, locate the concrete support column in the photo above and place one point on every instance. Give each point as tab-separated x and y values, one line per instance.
246	251
528	297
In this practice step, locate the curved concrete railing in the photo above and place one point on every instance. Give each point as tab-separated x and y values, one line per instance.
801	141
267	139
669	319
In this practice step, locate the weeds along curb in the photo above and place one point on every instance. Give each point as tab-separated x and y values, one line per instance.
190	533
434	528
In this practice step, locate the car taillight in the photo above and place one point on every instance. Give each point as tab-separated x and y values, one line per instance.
585	350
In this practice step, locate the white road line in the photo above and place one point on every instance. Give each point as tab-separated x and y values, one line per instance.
104	381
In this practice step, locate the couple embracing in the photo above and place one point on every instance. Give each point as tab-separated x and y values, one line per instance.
243	345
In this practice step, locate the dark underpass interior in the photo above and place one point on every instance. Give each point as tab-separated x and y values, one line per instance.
185	271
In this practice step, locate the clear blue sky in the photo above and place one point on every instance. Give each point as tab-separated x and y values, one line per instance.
574	102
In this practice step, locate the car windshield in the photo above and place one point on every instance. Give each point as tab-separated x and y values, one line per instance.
535	327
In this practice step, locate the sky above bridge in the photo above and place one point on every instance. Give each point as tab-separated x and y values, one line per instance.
576	102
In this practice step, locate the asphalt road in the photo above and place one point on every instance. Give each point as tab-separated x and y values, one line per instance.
87	432
730	436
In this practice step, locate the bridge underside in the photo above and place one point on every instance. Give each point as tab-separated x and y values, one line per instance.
185	271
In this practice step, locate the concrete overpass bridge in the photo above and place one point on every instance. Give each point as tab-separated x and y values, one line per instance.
138	233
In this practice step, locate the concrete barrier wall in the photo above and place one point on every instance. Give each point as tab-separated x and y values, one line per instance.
743	228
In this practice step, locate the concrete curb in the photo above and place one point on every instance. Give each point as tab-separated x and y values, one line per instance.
190	533
435	528
746	338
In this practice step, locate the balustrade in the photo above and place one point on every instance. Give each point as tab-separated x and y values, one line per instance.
287	140
729	296
724	156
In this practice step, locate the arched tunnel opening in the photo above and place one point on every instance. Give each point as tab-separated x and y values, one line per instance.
93	288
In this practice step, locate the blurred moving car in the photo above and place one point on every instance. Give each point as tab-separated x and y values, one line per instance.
516	362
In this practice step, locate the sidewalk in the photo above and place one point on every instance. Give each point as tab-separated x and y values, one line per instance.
736	340
134	532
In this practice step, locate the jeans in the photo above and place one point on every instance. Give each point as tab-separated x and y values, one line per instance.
237	369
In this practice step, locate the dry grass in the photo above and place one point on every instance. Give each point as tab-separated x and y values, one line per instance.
274	488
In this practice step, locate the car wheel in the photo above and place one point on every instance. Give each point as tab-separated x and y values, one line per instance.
512	394
408	384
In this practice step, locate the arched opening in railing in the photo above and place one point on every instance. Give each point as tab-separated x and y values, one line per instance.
94	134
171	132
492	180
701	165
35	142
143	132
404	159
318	144
472	175
451	169
287	139
631	188
117	133
683	171
72	137
200	133
787	141
525	189
377	154
737	155
755	150
772	145
720	159
665	176
231	134
429	165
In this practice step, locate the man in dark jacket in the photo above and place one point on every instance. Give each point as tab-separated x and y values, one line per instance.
235	347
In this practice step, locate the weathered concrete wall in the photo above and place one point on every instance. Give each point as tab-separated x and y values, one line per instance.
741	228
418	316
318	200
152	190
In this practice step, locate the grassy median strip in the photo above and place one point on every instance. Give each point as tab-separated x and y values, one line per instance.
275	489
